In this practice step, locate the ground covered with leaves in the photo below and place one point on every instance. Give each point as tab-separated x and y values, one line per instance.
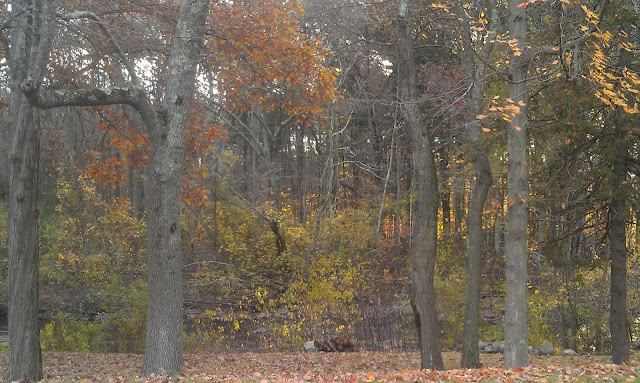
331	367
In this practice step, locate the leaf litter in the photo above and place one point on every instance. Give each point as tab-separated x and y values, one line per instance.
331	367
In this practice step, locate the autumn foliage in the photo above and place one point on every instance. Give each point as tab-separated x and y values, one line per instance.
296	125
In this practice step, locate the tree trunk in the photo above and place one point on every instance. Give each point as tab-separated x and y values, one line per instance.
164	347
445	191
300	174
458	185
484	180
24	337
31	41
515	329
425	225
618	215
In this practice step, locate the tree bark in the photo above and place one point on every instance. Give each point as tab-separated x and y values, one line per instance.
484	179
425	225
445	191
31	33
300	174
618	215
25	362
515	329
164	346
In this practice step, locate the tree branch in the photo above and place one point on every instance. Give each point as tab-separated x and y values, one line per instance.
49	99
123	57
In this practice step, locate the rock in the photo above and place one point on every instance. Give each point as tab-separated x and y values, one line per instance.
569	352
636	345
495	348
482	344
532	351
310	346
546	348
492	349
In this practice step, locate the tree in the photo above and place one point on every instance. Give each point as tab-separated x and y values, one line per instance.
515	327
425	227
618	215
476	71
32	30
166	124
163	347
616	86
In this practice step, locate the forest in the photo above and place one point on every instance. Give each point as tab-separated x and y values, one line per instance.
225	176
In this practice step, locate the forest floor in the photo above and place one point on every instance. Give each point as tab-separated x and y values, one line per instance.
332	367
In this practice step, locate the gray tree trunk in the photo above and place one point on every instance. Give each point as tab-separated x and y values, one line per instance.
164	347
31	38
484	179
515	327
24	337
618	215
425	224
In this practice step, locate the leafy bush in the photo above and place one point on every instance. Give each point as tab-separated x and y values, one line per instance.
69	334
125	329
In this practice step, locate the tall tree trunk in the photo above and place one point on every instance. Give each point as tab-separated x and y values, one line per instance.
618	215
24	338
484	179
32	29
164	347
425	225
515	329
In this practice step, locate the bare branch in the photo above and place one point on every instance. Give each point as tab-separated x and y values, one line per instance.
49	99
123	57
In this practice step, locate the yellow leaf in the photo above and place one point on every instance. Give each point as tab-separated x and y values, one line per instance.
370	377
518	128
